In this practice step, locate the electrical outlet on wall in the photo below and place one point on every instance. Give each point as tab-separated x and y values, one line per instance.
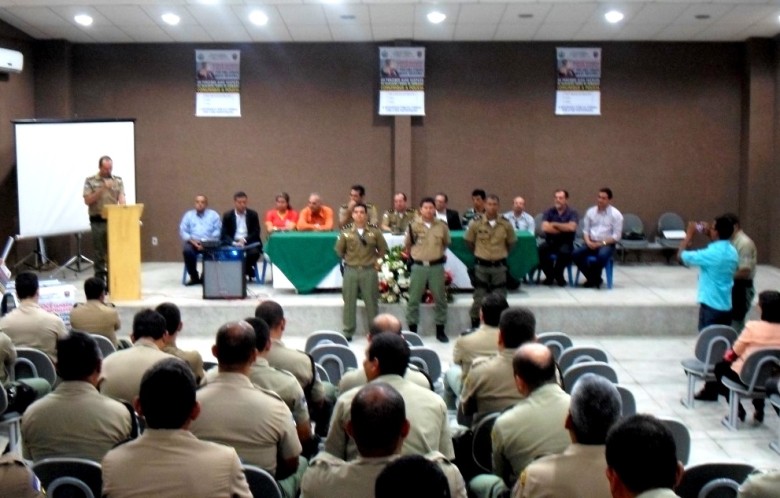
154	241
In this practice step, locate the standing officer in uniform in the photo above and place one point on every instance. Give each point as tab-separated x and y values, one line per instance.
357	195
360	245
490	237
426	240
100	190
396	220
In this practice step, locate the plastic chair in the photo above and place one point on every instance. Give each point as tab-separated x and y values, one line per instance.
322	373
12	421
43	365
105	344
669	221
576	371
774	400
758	367
327	336
70	477
609	268
558	342
412	338
633	237
569	273
712	480
335	359
579	354
627	401
428	361
482	443
711	345
261	483
681	435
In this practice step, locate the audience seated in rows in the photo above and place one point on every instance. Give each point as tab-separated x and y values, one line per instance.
173	326
96	316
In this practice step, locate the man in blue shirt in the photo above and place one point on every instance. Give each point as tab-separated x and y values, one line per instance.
197	225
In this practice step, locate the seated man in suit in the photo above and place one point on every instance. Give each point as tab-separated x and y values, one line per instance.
241	228
449	216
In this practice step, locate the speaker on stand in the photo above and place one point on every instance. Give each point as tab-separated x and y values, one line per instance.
223	274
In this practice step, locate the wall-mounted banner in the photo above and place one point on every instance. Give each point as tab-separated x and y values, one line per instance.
578	73
218	83
401	81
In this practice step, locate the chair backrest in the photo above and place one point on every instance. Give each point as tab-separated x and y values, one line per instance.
321	372
429	362
335	359
482	443
24	369
412	338
713	342
576	371
681	435
70	477
633	227
578	354
758	367
105	344
670	221
261	483
712	480
42	362
327	336
627	401
556	341
538	219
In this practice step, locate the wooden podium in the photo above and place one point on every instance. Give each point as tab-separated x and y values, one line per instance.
124	251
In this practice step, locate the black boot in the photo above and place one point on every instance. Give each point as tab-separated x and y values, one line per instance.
413	327
440	335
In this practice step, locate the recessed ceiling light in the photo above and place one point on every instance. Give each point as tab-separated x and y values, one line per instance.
702	16
83	19
170	18
436	17
258	18
614	16
525	16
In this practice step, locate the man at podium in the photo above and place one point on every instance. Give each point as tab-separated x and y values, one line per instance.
99	190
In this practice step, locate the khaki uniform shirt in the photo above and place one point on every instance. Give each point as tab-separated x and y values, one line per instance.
256	423
761	485
360	250
490	386
75	421
746	249
122	371
332	477
468	347
7	358
95	317
17	480
426	412
534	427
427	243
357	378
110	196
491	242
297	363
578	472
173	463
344	213
31	326
397	222
193	359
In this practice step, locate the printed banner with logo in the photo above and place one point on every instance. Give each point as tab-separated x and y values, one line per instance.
579	82
401	81
218	83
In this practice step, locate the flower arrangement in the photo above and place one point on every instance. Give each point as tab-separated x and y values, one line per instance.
394	279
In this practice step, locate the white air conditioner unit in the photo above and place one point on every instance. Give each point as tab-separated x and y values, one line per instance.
11	61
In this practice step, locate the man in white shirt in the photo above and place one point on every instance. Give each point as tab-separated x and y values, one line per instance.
519	217
602	228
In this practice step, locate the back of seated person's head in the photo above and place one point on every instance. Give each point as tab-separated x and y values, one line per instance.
148	323
271	312
172	316
78	356
769	301
412	476
492	306
392	353
517	326
534	364
167	395
725	227
235	345
26	284
377	405
262	332
594	409
642	454
94	287
384	322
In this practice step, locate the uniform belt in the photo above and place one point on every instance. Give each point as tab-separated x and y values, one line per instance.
487	262
429	263
97	219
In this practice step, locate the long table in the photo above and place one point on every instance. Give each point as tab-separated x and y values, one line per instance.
307	260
